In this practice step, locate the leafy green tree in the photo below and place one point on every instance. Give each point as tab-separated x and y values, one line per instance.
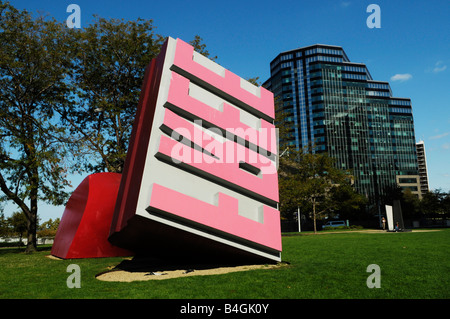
109	58
255	81
5	229
435	202
289	192
410	204
312	181
445	204
49	228
33	71
429	204
319	180
200	47
348	203
18	223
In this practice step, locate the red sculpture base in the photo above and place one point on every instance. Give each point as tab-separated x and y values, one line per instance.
85	224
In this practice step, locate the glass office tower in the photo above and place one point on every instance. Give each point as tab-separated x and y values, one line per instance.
337	106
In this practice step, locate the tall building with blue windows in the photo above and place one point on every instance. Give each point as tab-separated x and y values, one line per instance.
334	104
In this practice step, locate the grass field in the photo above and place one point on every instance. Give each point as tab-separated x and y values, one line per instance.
333	266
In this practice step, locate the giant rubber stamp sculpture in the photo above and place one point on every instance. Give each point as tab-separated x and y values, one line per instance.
200	178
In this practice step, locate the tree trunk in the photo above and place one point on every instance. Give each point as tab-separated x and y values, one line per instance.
314	215
32	215
31	234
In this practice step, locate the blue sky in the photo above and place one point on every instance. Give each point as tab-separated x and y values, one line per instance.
411	50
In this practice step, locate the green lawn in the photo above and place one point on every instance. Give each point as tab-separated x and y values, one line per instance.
413	265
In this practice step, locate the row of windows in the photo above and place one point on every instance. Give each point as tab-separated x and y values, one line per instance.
354	76
376	116
318	82
400	110
378	93
403	125
344	91
383	86
345	99
400	102
403	149
286	57
400	139
323	51
406	161
411	134
407	180
324	58
352	68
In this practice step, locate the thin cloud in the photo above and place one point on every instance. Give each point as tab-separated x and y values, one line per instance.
439	67
345	4
401	77
436	137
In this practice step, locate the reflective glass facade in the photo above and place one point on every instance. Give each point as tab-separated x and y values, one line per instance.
336	105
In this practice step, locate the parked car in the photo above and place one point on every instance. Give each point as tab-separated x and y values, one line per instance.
334	223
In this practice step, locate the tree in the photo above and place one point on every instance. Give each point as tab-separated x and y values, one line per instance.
287	166
255	81
5	228
321	183
429	205
18	224
289	190
445	204
109	59
312	182
410	204
109	62
33	70
435	203
49	228
348	202
200	47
